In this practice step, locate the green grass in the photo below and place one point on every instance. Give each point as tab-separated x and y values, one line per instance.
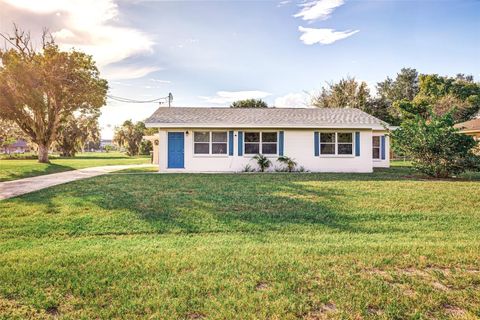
386	245
18	169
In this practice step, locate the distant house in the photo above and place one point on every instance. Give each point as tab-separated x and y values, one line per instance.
19	146
471	128
226	139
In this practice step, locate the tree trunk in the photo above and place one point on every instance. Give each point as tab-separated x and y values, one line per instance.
42	153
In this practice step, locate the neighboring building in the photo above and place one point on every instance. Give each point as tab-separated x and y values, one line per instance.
226	139
19	146
106	142
471	127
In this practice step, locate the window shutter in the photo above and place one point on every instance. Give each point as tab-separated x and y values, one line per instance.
316	141
382	146
240	143
357	144
280	143
230	143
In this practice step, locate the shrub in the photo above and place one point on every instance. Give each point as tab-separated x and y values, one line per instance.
435	147
248	168
263	162
288	162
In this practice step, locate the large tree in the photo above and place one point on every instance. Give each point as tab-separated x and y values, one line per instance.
347	93
39	89
249	103
129	135
76	132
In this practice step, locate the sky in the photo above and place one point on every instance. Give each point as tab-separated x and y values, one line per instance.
211	53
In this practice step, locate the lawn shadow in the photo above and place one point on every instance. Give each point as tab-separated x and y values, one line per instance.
33	172
203	203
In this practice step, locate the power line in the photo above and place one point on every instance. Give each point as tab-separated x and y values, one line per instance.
168	99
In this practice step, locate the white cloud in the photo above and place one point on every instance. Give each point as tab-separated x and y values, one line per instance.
160	81
225	97
318	10
323	36
127	72
90	26
292	100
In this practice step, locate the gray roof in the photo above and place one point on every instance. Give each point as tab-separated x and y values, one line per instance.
178	117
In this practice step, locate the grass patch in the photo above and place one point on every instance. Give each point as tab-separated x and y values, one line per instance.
386	245
14	169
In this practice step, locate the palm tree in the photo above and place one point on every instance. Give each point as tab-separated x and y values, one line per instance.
262	161
288	162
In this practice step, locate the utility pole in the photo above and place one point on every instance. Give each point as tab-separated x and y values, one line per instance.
170	99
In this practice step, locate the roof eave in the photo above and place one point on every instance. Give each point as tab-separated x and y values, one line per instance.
258	126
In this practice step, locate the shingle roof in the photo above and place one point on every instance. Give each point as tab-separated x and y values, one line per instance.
268	117
472	125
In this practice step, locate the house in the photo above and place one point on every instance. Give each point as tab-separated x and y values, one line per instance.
19	146
226	139
471	128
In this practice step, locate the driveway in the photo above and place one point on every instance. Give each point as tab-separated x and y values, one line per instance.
15	188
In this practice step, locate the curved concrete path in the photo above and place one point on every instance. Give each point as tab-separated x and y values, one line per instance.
15	188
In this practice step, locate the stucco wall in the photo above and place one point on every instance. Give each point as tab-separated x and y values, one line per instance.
298	144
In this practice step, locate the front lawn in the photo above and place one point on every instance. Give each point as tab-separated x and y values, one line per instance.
386	245
13	169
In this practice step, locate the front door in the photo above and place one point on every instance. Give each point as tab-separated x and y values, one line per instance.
176	147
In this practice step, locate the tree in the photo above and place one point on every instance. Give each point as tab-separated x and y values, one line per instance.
347	93
41	89
435	146
130	136
76	132
263	162
288	162
404	87
249	103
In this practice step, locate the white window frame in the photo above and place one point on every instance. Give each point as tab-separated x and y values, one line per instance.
210	144
260	143
379	148
336	155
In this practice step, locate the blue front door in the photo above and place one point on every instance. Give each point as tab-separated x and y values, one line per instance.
175	150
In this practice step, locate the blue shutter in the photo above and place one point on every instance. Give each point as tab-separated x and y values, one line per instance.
240	143
357	144
280	143
316	142
230	143
382	146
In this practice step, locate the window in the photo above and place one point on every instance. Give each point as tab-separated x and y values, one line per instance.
327	143
210	142
376	147
261	142
336	143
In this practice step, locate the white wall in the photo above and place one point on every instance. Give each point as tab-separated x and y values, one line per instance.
298	144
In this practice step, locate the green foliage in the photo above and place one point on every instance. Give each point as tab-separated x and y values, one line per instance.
435	147
347	93
249	103
40	89
262	162
129	135
289	163
145	147
78	131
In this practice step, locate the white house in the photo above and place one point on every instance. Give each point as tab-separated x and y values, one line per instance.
226	139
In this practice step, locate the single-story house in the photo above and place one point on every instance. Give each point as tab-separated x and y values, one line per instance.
19	146
226	139
471	128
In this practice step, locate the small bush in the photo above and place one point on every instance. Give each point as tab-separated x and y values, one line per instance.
288	162
263	162
248	168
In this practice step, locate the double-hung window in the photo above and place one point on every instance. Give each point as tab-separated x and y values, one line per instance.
376	147
336	143
210	142
261	142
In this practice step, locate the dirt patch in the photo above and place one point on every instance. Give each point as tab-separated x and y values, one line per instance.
195	315
322	312
261	286
453	310
53	311
440	286
374	310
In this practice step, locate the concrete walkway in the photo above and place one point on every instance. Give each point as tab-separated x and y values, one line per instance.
15	188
